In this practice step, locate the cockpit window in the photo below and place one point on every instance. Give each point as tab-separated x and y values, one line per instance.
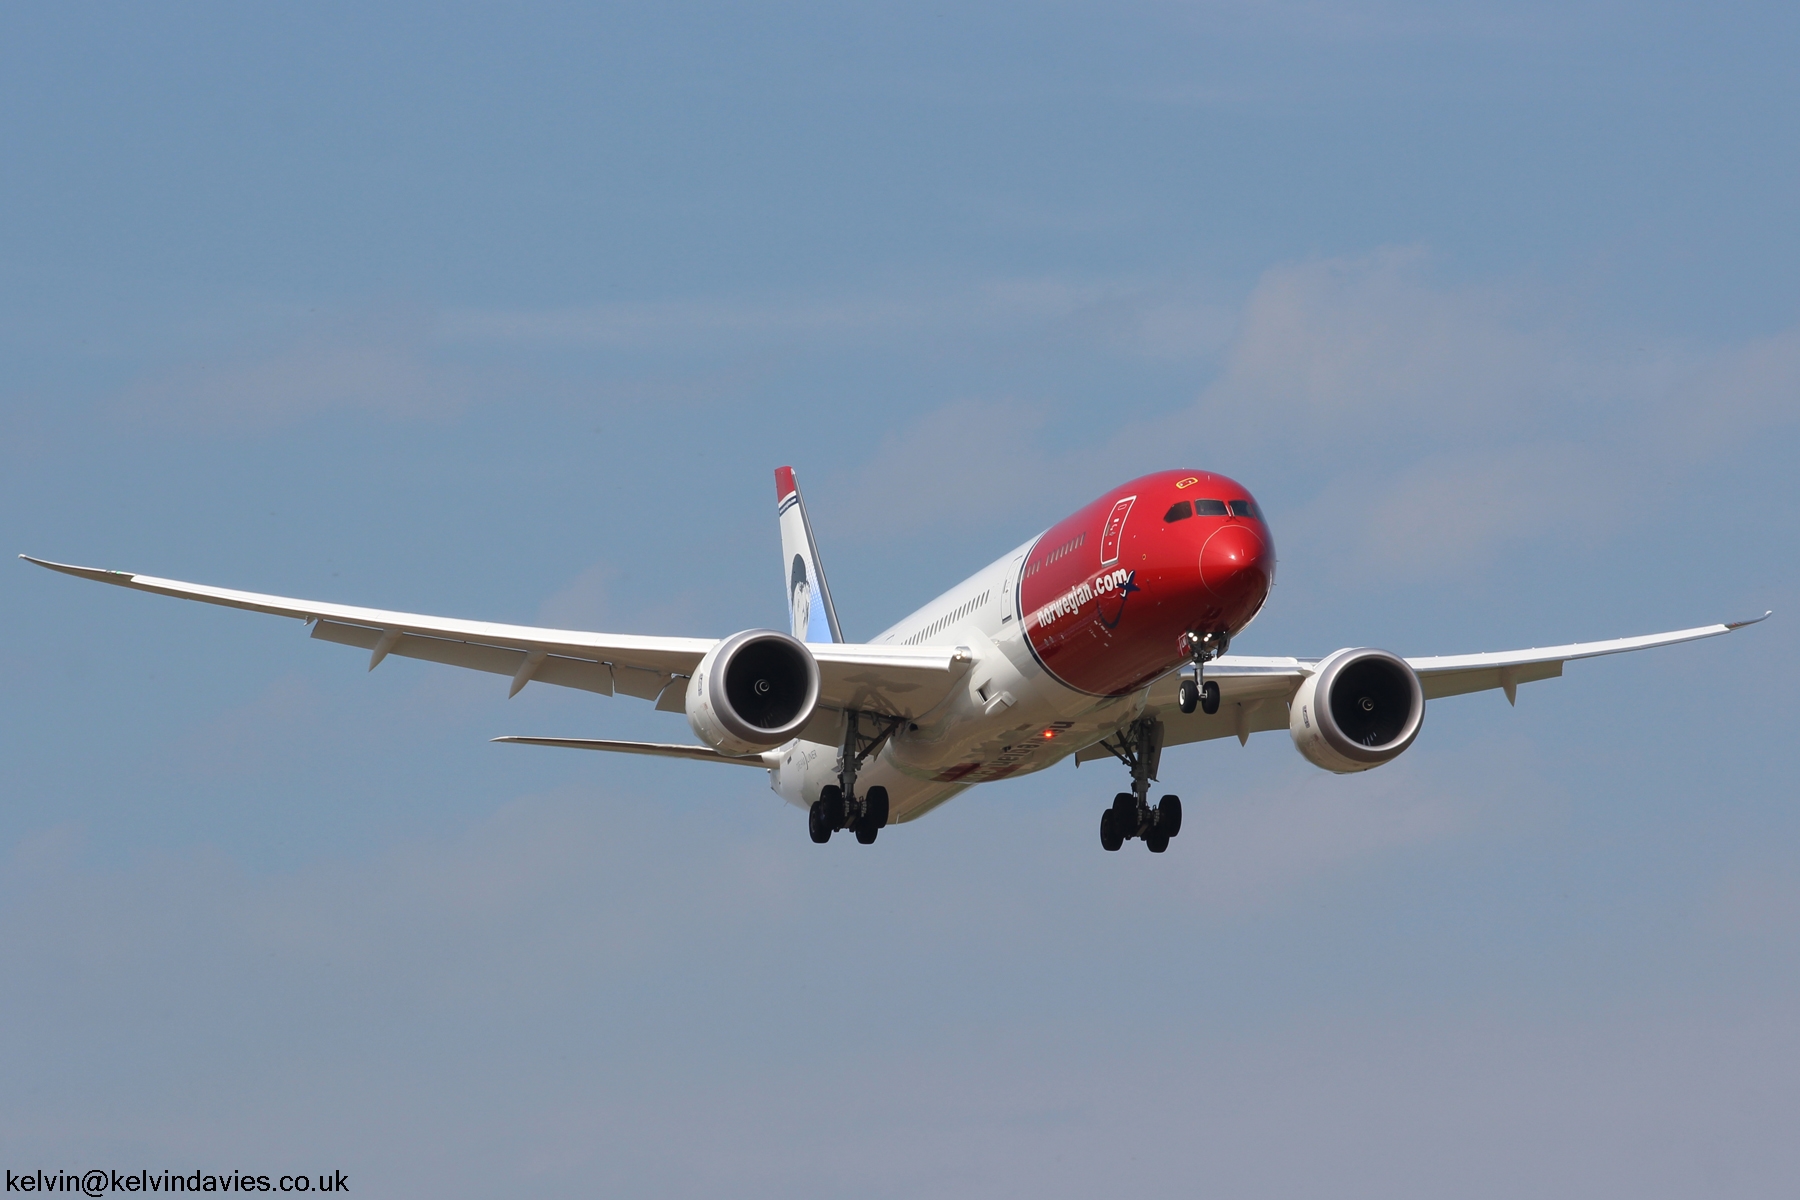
1245	508
1181	510
1210	508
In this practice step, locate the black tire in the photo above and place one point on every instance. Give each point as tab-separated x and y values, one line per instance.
1209	697
1125	815
832	797
816	823
1110	838
1168	816
1156	843
875	808
866	831
1189	696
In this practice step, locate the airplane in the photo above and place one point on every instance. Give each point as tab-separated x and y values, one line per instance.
1107	636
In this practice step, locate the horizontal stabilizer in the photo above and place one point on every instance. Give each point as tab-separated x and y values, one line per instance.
660	749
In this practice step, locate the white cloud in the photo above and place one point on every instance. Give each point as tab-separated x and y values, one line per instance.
1362	350
380	365
1256	853
1428	426
582	603
1140	318
949	466
1449	512
693	322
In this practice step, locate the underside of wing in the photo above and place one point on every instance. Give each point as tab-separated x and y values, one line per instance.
1458	674
899	681
597	662
656	749
1253	696
1254	692
896	680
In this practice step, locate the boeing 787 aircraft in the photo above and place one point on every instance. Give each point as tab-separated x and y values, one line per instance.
1104	637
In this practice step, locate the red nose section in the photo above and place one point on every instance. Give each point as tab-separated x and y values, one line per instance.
1235	566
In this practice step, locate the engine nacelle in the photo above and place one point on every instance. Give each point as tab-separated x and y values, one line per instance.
752	692
1361	708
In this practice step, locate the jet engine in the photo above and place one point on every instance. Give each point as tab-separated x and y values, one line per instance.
1361	708
752	692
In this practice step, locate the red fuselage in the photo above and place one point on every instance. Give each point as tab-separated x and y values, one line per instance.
1107	595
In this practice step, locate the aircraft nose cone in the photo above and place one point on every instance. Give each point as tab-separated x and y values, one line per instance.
1235	566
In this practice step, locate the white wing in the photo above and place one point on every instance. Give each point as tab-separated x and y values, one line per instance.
1454	674
761	762
1253	692
902	680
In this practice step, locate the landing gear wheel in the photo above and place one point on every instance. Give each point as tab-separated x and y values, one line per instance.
1190	696
1110	837
875	809
1168	816
1156	842
817	823
1209	697
831	800
866	831
1125	815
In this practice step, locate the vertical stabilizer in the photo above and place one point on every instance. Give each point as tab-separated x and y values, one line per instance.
809	599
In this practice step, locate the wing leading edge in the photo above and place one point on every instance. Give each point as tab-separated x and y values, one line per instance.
902	680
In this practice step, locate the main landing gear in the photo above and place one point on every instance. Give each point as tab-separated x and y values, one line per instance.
838	806
831	812
1139	747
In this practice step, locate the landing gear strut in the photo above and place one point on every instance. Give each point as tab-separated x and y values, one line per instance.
838	806
1139	747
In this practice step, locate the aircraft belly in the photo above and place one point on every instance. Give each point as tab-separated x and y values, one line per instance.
922	774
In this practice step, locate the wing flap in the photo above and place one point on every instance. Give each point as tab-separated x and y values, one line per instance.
900	681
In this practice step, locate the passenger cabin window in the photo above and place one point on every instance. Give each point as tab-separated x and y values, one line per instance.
1245	508
1180	511
1210	508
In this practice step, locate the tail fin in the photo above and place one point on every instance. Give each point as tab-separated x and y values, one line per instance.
809	599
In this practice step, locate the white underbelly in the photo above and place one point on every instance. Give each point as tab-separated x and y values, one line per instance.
920	773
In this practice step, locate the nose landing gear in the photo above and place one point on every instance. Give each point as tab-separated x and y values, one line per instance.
1203	696
1200	692
1139	747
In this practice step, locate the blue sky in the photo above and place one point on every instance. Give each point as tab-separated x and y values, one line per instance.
510	315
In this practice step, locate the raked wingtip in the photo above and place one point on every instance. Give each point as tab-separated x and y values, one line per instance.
1752	621
100	574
